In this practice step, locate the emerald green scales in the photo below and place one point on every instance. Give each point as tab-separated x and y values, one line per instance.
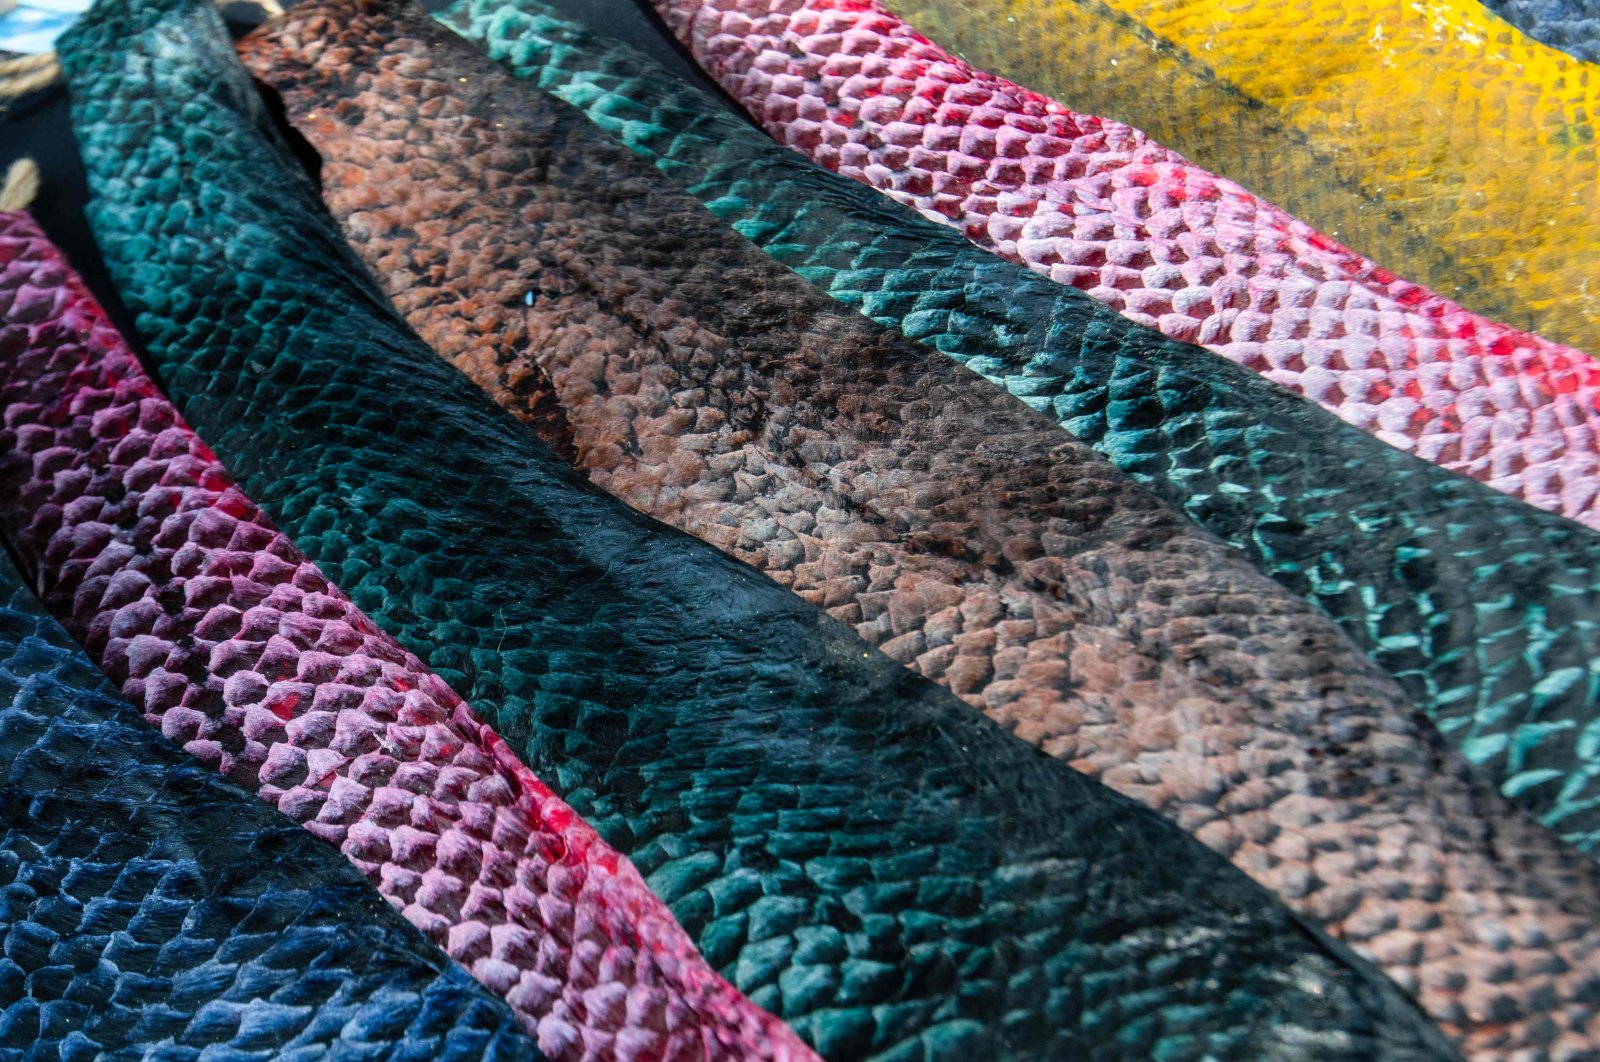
1487	610
855	848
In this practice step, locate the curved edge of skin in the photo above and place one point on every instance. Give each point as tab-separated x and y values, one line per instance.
76	351
1570	26
659	585
1022	360
111	764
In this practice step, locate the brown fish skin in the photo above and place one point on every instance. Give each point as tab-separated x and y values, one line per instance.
948	523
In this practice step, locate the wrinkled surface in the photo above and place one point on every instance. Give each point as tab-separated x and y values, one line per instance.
816	447
1570	25
1482	608
852	846
238	649
149	909
1098	205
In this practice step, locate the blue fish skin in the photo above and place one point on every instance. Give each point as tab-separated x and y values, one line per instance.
1486	610
852	846
150	909
1573	26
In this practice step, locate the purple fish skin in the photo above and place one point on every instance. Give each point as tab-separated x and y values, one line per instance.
240	650
967	536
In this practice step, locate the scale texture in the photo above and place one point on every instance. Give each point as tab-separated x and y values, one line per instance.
239	649
1570	25
856	849
1482	608
1431	136
151	910
1057	596
1098	205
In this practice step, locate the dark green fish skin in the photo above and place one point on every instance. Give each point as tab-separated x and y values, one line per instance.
852	846
150	909
1485	609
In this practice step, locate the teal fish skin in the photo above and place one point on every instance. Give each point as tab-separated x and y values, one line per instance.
1485	609
150	909
853	847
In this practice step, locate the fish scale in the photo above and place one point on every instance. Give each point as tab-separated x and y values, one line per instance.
947	523
855	849
1480	606
1570	25
239	650
1100	206
150	909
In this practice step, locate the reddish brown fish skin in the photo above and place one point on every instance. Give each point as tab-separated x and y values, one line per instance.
948	523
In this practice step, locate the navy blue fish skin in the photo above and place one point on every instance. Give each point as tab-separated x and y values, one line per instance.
1570	25
852	846
149	909
1485	609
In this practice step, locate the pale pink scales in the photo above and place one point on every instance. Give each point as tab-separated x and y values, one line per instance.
1096	204
239	649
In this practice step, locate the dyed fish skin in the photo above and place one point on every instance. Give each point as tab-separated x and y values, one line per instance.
862	854
1570	25
1387	544
1098	205
496	215
239	649
149	909
1413	127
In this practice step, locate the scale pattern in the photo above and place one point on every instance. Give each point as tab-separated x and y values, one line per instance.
239	650
1481	607
151	910
856	849
1570	25
1098	205
1059	598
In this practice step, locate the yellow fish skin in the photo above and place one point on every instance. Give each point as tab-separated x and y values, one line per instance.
1431	136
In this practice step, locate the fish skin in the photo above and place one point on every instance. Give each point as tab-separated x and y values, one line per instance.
1573	26
240	650
813	446
1098	205
152	910
1481	607
845	841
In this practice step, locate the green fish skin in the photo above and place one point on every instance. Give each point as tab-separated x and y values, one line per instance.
852	846
1485	609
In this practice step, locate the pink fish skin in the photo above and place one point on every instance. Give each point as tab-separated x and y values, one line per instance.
241	651
1096	204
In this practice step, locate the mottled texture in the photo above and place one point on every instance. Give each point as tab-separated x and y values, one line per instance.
1098	205
851	845
942	519
151	910
238	648
1570	25
1483	609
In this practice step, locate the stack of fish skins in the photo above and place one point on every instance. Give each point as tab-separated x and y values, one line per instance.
150	909
524	246
1481	607
238	648
914	879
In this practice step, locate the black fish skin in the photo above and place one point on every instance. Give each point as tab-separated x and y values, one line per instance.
854	847
149	909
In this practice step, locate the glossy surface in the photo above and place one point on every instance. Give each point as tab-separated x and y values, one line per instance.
151	910
1098	205
1482	608
1432	137
935	514
855	848
240	650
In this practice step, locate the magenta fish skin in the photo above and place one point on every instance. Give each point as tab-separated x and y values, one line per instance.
238	649
1096	204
